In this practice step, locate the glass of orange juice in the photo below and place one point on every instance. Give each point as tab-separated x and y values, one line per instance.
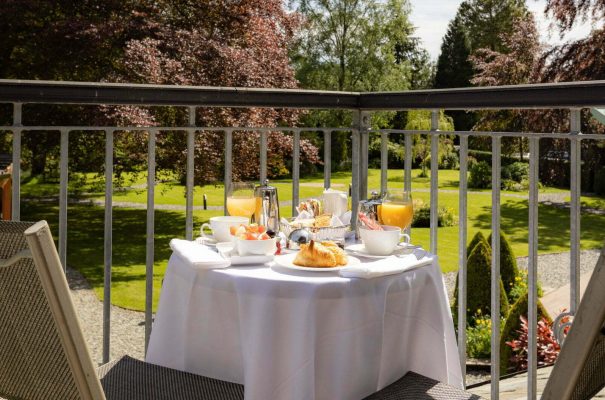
240	199
396	209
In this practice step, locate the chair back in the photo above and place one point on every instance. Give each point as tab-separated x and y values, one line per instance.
579	372
43	354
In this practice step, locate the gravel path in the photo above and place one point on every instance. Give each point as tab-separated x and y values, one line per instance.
127	327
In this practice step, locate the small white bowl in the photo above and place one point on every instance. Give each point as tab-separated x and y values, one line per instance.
255	247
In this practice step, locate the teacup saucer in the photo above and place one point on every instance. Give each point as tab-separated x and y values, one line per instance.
360	250
227	250
205	240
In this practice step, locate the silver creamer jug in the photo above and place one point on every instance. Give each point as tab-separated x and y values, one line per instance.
267	207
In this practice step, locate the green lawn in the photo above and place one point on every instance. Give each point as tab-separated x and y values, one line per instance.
85	226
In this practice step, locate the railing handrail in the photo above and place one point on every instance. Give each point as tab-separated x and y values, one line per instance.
547	95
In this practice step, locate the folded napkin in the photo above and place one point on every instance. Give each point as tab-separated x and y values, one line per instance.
387	266
198	255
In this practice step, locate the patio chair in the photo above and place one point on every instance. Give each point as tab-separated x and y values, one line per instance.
578	374
43	354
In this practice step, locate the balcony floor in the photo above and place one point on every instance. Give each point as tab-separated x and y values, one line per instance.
515	388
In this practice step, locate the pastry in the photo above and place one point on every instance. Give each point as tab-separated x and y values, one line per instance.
320	255
315	255
341	256
312	206
322	221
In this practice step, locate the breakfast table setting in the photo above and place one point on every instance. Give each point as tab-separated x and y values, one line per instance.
306	307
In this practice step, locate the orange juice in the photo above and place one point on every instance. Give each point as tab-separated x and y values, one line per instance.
241	206
395	214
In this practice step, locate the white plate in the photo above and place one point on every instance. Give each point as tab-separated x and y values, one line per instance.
360	250
287	261
226	249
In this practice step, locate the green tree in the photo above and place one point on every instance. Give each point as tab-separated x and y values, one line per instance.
420	120
454	68
357	45
478	24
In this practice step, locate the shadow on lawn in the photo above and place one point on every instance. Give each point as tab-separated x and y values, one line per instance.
554	225
85	237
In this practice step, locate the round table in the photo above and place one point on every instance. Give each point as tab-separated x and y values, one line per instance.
288	334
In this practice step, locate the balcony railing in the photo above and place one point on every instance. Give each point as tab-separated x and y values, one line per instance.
572	96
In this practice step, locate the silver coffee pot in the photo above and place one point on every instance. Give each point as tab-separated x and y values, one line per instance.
267	207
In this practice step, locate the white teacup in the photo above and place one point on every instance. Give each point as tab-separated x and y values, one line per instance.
382	243
220	227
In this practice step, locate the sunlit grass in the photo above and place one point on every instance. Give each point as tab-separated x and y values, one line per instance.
85	225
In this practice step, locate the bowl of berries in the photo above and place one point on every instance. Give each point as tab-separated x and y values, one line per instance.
253	239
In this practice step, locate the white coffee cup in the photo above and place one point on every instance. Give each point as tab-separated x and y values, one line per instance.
382	243
220	227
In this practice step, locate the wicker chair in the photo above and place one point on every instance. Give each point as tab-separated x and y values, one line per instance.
42	350
579	372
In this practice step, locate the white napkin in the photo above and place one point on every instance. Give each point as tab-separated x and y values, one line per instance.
387	266
198	255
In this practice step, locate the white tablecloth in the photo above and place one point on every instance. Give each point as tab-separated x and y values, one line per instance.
297	335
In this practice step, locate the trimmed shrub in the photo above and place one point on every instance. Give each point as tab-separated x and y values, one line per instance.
508	263
512	325
480	176
422	217
479	277
518	172
476	239
599	182
449	161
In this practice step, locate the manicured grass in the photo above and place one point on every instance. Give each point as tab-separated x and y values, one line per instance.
85	226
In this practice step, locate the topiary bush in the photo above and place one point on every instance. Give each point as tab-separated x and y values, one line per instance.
512	325
476	239
480	176
479	276
508	263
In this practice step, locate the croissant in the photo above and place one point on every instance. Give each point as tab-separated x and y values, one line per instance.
315	255
341	256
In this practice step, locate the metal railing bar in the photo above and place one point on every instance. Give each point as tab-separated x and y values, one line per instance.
548	95
327	158
190	176
575	189
16	178
495	284
384	161
364	138
355	162
228	165
541	135
462	272
532	267
107	245
263	156
434	218
150	256
29	91
63	181
407	171
295	172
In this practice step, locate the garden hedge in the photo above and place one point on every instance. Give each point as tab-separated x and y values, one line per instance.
512	325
